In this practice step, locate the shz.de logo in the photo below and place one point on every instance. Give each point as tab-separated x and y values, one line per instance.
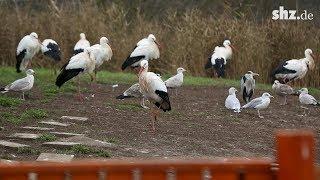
283	14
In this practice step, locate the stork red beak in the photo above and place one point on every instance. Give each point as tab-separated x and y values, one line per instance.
313	56
141	69
233	48
158	44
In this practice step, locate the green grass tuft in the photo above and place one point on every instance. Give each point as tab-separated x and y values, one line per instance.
28	150
6	116
35	113
9	101
47	138
85	150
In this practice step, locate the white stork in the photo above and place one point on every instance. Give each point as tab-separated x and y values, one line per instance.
259	103
28	46
21	85
294	69
102	52
232	102
154	89
176	81
133	91
248	84
146	49
219	58
51	49
81	45
83	62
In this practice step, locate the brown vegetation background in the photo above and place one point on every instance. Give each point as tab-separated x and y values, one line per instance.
187	30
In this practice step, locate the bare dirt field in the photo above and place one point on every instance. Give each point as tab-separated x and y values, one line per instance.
198	125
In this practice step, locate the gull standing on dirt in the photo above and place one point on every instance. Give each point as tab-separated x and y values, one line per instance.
83	62
81	45
21	85
133	91
219	58
248	84
146	49
306	99
294	69
102	52
283	90
28	46
154	89
232	102
175	81
259	103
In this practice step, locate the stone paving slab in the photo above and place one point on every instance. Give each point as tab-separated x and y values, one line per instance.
87	141
25	135
52	157
66	134
60	144
37	128
7	161
75	118
12	144
55	123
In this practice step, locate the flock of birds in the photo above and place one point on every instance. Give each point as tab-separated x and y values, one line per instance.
88	58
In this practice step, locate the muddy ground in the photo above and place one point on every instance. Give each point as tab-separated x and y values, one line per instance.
198	125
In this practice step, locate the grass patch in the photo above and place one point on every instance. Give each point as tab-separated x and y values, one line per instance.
6	116
28	150
6	101
111	140
35	113
85	150
47	137
133	107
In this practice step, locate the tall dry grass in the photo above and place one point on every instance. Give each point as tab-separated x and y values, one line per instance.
187	39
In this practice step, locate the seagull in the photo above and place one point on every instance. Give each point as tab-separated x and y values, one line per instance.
176	81
28	46
83	62
259	103
294	69
21	85
283	90
248	84
146	49
232	102
82	44
51	49
306	98
153	89
102	52
133	91
219	58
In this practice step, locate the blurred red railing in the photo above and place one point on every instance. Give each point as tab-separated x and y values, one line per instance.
295	161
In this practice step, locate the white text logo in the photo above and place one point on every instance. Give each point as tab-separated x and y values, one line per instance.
284	14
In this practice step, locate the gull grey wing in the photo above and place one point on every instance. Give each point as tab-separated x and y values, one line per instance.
134	91
253	103
286	89
18	85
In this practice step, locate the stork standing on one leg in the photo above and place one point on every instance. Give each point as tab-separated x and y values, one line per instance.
83	62
154	89
219	58
294	69
248	84
146	49
28	46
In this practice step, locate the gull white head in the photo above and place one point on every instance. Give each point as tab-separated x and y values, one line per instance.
266	95
181	70
104	40
82	36
232	91
304	90
30	72
34	35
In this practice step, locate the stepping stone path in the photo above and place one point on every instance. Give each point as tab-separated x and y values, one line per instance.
75	118
25	135
55	123
52	157
87	141
66	134
37	128
12	144
6	161
62	144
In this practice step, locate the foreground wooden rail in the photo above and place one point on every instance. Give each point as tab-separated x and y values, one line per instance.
295	155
